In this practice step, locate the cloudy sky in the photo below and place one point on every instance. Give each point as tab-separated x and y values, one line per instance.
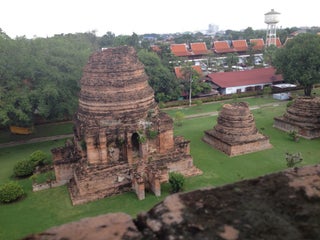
44	18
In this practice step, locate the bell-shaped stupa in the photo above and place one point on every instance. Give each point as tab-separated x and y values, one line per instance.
235	132
122	142
114	89
302	116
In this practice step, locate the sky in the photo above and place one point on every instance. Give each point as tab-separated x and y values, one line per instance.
44	18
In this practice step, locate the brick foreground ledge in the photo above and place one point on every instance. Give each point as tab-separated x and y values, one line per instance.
283	205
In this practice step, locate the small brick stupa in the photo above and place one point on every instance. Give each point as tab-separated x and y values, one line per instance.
235	132
302	116
122	141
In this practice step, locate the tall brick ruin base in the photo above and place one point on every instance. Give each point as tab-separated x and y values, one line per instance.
235	132
122	141
302	116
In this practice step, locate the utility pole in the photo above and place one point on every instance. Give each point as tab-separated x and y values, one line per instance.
190	89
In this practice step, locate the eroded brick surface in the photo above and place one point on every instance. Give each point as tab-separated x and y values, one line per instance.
302	116
122	141
235	132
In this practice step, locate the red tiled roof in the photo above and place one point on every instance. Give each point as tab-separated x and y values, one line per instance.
199	48
257	44
244	78
222	47
240	45
180	50
179	74
278	42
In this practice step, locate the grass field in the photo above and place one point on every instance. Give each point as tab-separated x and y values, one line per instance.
41	210
216	106
44	130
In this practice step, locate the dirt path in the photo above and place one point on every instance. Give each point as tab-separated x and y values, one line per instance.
207	114
34	140
43	139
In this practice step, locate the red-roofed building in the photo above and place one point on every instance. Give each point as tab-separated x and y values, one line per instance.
278	42
179	74
180	50
199	48
242	81
257	44
222	47
240	45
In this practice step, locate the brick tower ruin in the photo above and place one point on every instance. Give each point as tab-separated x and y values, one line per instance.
235	132
302	116
122	141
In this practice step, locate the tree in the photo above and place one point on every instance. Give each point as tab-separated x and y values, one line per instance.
299	61
231	60
191	81
41	77
107	40
268	54
188	74
163	82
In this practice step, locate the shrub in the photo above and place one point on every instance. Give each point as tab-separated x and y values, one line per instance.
294	135
176	181
39	158
293	159
198	102
178	117
23	168
10	192
162	105
152	134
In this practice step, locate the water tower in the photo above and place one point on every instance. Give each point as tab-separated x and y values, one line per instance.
271	19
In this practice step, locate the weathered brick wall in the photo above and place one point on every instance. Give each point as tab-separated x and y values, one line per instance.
116	113
166	141
237	149
114	87
63	172
303	116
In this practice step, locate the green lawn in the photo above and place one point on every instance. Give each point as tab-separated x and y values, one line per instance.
216	106
41	210
44	130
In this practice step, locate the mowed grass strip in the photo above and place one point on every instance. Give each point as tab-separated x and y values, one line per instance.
45	130
42	210
216	106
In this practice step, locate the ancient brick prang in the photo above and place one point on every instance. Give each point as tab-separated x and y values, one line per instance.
122	142
235	132
302	116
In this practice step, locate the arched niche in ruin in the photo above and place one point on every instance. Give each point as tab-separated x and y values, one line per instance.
116	109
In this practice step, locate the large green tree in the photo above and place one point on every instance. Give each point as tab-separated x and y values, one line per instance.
191	81
161	79
299	61
41	76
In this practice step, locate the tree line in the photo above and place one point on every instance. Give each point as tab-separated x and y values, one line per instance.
39	78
